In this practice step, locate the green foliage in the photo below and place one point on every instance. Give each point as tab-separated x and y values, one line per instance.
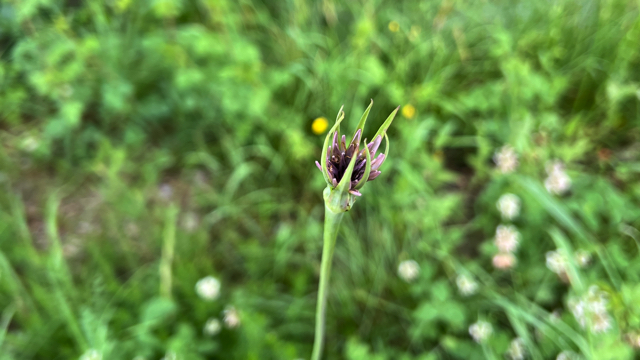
148	144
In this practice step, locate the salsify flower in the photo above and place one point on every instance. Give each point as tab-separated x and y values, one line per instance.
346	167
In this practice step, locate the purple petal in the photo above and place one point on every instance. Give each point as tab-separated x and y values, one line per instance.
355	192
373	146
374	174
356	137
319	166
344	143
375	164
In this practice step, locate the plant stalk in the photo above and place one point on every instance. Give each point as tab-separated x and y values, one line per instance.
331	225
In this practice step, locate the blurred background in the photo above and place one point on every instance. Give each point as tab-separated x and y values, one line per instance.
160	199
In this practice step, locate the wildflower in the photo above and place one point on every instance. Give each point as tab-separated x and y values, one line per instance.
466	285
408	270
601	323
583	258
231	317
509	206
558	182
91	354
557	261
319	125
480	331
190	222
208	288
212	327
30	144
356	166
591	310
394	26
506	239
516	349
170	355
506	159
408	111
504	261
567	355
633	339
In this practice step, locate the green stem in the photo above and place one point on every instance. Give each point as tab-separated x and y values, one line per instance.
331	225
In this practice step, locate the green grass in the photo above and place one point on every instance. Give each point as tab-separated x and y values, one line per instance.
148	144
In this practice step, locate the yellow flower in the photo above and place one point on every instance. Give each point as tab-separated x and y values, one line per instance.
394	26
319	125
408	111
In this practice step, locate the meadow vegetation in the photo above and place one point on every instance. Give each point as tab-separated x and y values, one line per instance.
160	199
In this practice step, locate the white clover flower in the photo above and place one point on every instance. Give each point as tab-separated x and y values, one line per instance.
558	182
504	261
557	261
506	239
516	349
190	222
554	166
212	327
466	285
208	288
633	339
231	317
170	355
509	206
408	270
91	354
567	355
591	310
30	144
480	331
506	159
583	258
601	322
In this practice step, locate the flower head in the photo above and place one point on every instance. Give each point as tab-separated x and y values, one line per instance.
516	349
504	261
557	262
208	288
567	355
590	310
583	257
212	327
466	285
506	159
558	182
507	238
509	206
231	317
480	331
91	354
408	111
345	167
408	270
319	125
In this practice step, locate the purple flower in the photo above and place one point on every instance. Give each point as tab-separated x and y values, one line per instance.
347	164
